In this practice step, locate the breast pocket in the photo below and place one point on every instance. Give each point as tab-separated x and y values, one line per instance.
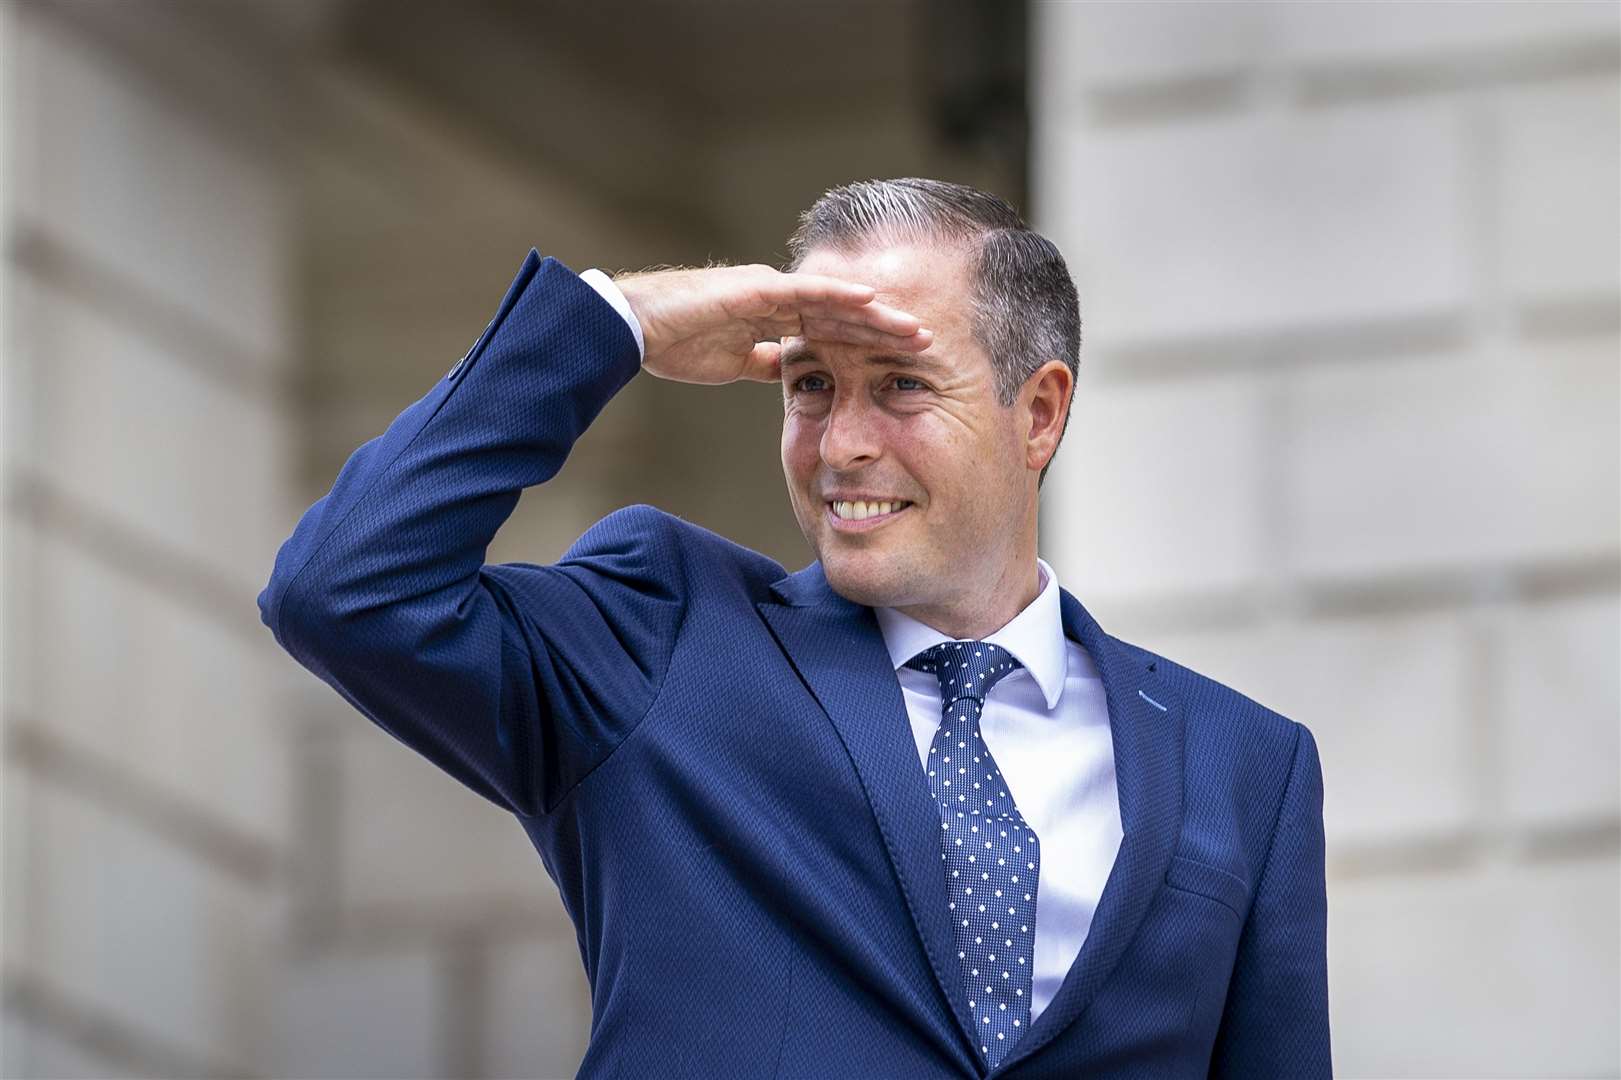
1205	907
1211	882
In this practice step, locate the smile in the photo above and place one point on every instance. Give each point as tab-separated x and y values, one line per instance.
861	516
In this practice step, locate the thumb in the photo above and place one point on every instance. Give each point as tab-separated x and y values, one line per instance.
764	363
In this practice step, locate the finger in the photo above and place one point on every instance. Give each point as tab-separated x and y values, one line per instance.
797	288
764	363
777	326
890	320
857	334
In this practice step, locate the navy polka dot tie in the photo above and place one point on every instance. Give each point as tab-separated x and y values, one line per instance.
989	854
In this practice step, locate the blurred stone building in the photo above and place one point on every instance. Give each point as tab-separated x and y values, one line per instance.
1347	440
1346	437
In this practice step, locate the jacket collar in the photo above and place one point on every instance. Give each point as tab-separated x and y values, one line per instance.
1035	637
838	649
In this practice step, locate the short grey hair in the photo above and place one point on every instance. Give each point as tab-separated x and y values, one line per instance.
1026	310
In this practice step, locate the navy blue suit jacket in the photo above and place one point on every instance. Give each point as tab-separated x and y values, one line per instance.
713	758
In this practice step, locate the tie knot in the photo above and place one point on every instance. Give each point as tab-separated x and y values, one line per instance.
965	668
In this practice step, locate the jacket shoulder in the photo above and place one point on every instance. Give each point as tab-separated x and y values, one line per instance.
1212	708
692	551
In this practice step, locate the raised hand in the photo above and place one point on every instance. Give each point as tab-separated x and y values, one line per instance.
720	324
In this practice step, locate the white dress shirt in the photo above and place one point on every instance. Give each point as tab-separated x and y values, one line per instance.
1047	726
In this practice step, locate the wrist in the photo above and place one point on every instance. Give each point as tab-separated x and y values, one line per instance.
610	291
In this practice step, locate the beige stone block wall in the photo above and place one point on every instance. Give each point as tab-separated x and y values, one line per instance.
1347	439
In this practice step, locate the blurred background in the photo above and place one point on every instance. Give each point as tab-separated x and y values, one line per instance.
1345	437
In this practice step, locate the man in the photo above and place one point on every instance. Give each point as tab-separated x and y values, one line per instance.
907	812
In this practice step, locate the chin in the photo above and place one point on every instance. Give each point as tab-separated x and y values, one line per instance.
864	580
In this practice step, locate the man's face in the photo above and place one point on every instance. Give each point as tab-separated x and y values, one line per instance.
922	430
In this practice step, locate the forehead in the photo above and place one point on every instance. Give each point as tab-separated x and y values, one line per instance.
926	280
920	274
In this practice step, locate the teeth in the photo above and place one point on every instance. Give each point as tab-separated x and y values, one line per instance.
859	510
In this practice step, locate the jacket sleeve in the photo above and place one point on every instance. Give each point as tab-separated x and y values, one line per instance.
1276	1018
516	679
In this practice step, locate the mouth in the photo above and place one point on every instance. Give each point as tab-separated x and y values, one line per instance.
863	515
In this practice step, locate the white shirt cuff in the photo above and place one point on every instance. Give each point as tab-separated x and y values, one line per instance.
610	292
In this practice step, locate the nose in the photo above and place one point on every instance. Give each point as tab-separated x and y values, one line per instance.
849	438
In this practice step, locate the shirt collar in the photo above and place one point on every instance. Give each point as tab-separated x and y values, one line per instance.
1035	636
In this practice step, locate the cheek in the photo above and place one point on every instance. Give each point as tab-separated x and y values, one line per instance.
799	448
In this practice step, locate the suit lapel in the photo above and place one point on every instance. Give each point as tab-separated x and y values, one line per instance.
1148	773
838	650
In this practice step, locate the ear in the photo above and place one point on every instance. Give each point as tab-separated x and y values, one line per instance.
1045	398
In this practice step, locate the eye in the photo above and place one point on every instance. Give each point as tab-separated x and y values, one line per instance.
799	383
917	384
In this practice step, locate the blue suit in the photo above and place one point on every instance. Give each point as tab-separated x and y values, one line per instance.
713	758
